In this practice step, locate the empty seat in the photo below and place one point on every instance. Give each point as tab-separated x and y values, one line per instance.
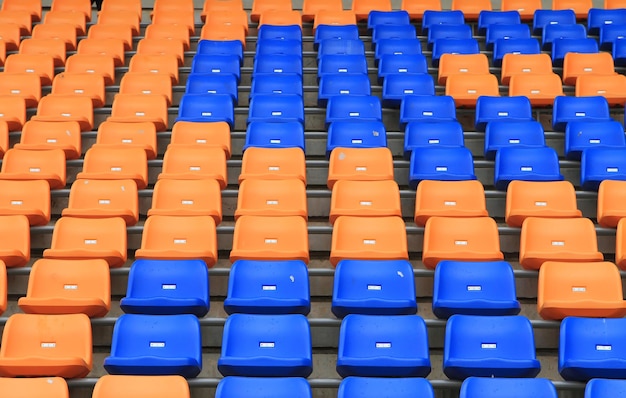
147	84
561	31
496	32
360	164
23	85
494	108
271	198
266	345
218	47
208	134
365	199
611	87
520	64
52	47
51	135
374	287
273	108
453	46
440	163
347	108
263	387
396	32
166	63
276	83
188	162
13	114
461	64
619	52
474	387
417	8
580	136
543	17
311	8
599	164
109	386
377	17
53	387
184	17
289	64
179	238
128	135
437	17
115	30
471	8
212	83
525	8
540	89
362	8
68	287
604	387
41	65
10	37
425	134
561	47
90	86
329	32
449	199
268	287
402	63
206	108
568	109
113	48
260	6
96	64
233	17
333	64
383	346
279	32
224	33
501	134
567	239
502	47
492	17
15	242
162	47
598	18
355	135
103	163
396	87
281	18
340	47
32	6
187	198
28	198
332	85
48	165
272	163
132	108
427	109
397	47
20	18
466	91
576	65
62	108
609	207
526	164
278	47
155	345
370	387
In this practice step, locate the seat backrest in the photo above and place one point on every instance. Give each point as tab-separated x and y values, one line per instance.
63	32
496	108
360	164
112	47
185	17
24	85
187	197
211	134
471	8
78	6
264	387
141	107
475	387
128	135
543	17
611	194
86	85
15	246
550	199
602	163
260	6
557	31
53	387
604	387
500	134
158	46
115	386
272	198
38	135
147	83
580	64
104	163
120	18
462	64
449	199
29	198
47	46
540	89
280	18
169	32
580	136
21	164
526	163
206	108
427	108
103	199
519	64
611	87
61	108
41	65
167	63
195	162
97	64
364	199
356	135
466	91
580	7
366	108
501	47
112	30
442	163
362	8
437	17
273	163
312	8
568	108
32	6
273	108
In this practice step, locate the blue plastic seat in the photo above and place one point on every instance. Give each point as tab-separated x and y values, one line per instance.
167	287
396	32
560	31
278	47
280	32
431	18
569	109
211	63
342	64
487	17
213	83
155	345
427	108
376	18
542	18
610	33
274	135
560	47
356	134
276	108
507	32
383	387
374	287
383	346
619	52
340	47
396	87
342	84
266	345
474	288
599	17
599	164
353	108
580	136
453	46
206	108
600	388
426	134
397	47
501	47
592	348
489	346
491	109
263	387
489	387
398	64
218	47
343	32
440	163
276	83
525	164
500	134
277	64
448	31
268	287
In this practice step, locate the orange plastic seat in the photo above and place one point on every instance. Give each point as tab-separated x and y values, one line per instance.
87	85
360	164
365	199
147	83
65	108
449	199
22	19
128	135
101	65
53	47
105	163
466	91
330	17
46	345
462	239
120	18
228	17
220	5
4	138
162	47
557	239
310	8
173	5
362	8
611	87
526	8
117	386
580	7
167	64
190	162
281	18
521	64
22	165
168	32
270	238
471	8
32	6
113	31
368	238
84	239
612	4
187	198
611	199
200	133
59	31
223	33
132	108
40	136
24	85
185	18
113	48
123	5
104	199
540	89
548	199
77	6
416	8
34	387
591	290
13	114
273	163
271	198
14	240
38	64
179	237
261	6
462	64
581	64
27	198
68	287
75	19
10	34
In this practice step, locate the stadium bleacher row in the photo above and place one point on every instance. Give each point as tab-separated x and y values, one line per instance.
272	199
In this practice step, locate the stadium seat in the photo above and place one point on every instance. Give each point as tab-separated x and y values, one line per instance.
63	108
190	162
561	47
362	8
425	134
500	134
155	345
576	65
520	64
619	52
448	31
88	86
28	198
364	108
76	6
103	163
374	287
396	87
568	109
272	163
53	387
491	17
364	199
276	83
540	89
467	91
609	206
474	288
360	164
274	135
416	8
597	18
20	18
268	287
383	387
233	17
128	135
276	108
271	198
453	46
10	38
167	287
310	8
63	32
123	19
383	346
270	47
440	163
187	198
501	47
580	7
266	345
460	64
397	47
184	17
604	387
475	387
543	17
263	387
214	63
561	31
526	8
334	85
526	164
390	64
113	48
124	386
599	164
611	87
162	47
15	246
51	135
396	17
167	64
495	108
506	32
96	64
147	84
32	6
355	135
203	108
169	32
223	33
21	165
449	199
279	32
215	47
208	134
438	17
260	6
288	64
330	32
566	239
427	109
114	30
580	136
609	34
41	65
281	18
610	4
